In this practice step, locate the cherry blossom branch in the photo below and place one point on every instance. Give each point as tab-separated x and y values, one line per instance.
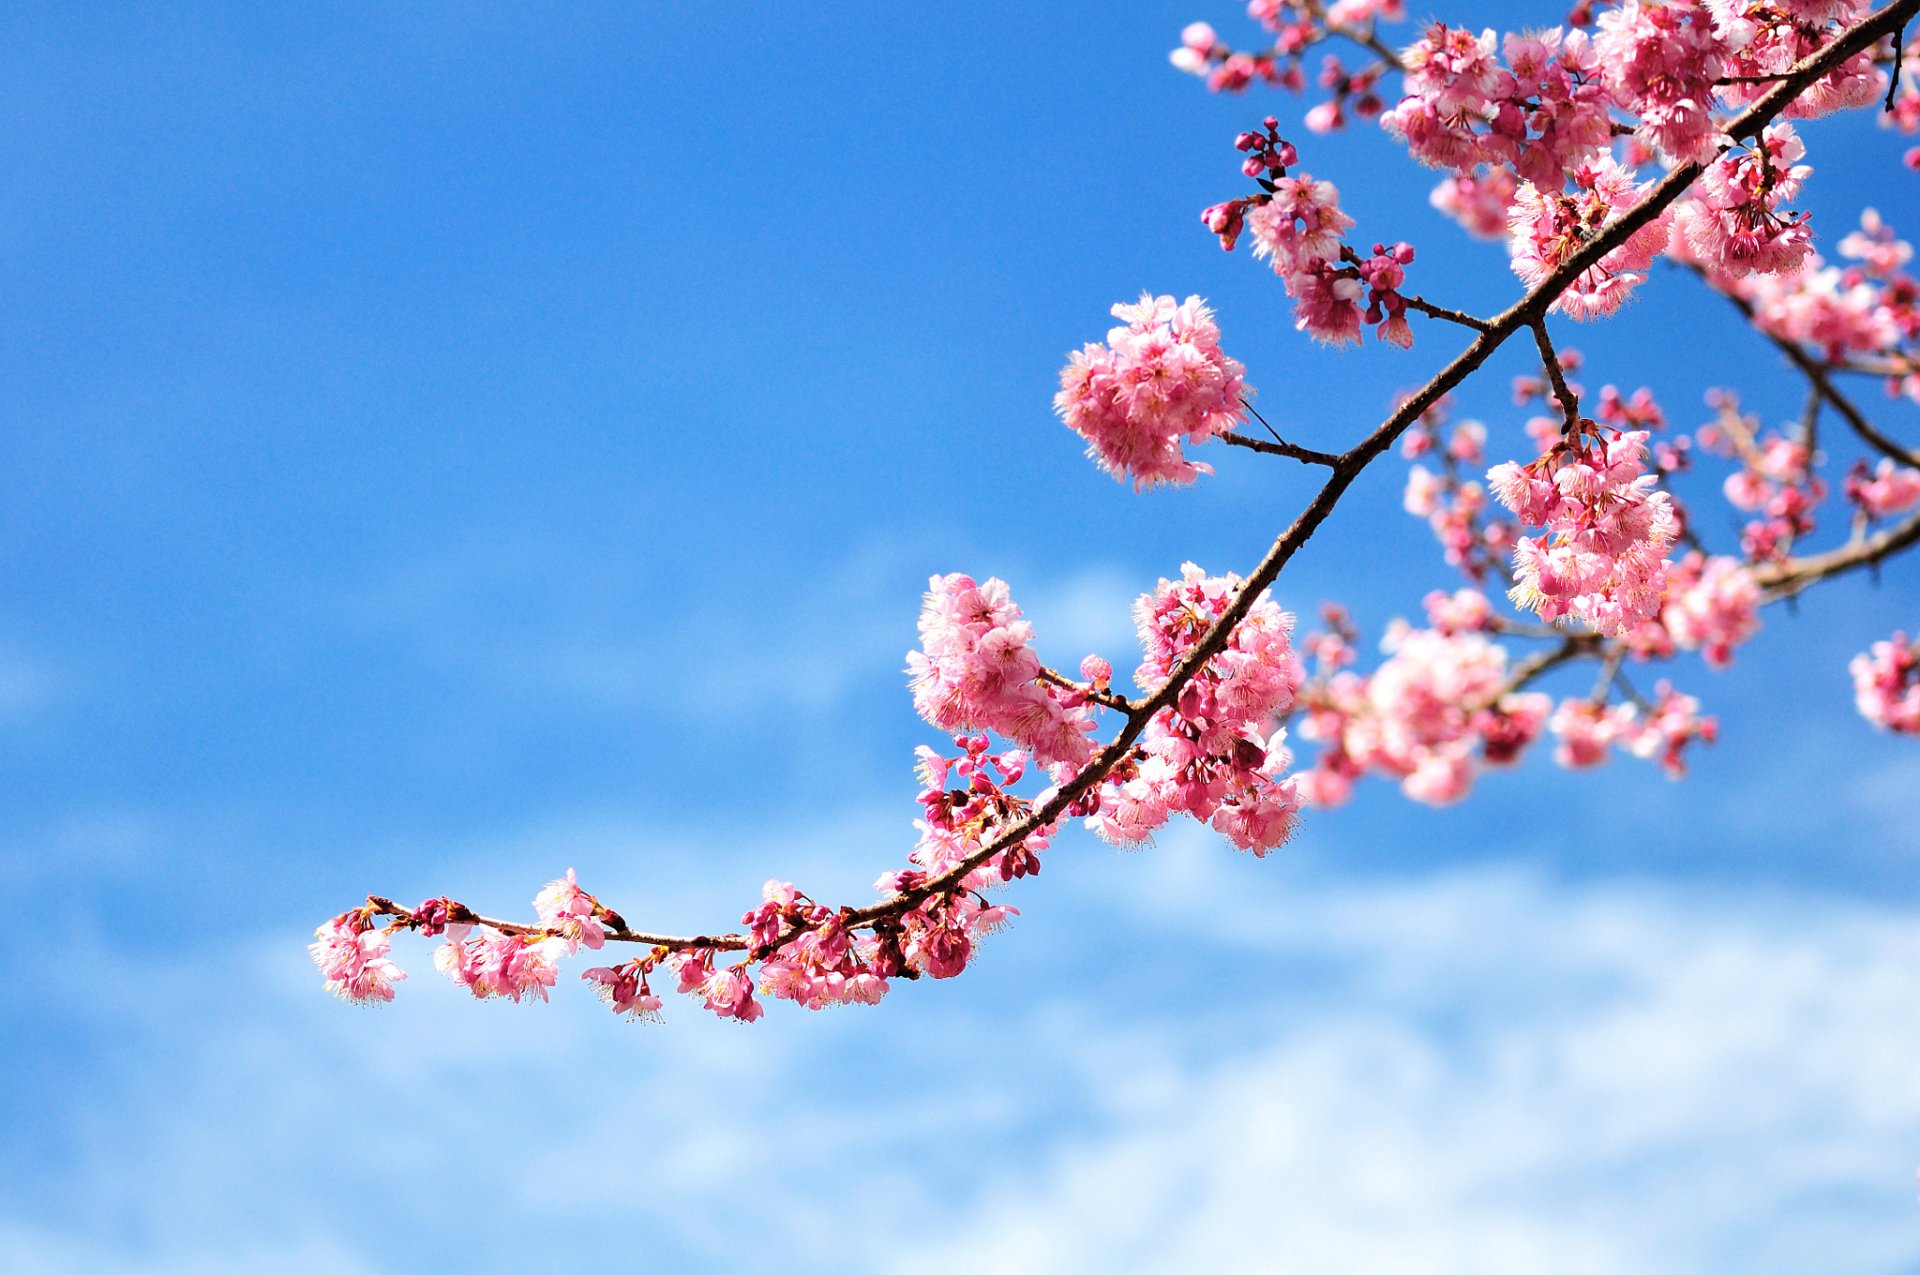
1820	379
1041	816
1431	310
1786	579
1106	699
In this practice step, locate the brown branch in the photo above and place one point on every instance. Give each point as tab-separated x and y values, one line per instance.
1569	402
1820	379
1428	308
1785	579
1305	455
1345	469
1106	699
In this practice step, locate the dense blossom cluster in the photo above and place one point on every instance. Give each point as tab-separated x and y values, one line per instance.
1549	225
1713	606
1160	379
1662	60
976	670
1731	225
1603	561
1540	113
1547	139
1431	716
1216	754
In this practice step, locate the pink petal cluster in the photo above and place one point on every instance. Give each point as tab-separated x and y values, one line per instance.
1542	112
1767	37
1712	606
1550	224
624	989
1776	479
1214	755
1673	722
571	914
1604	559
1731	226
491	963
1884	490
352	957
1204	54
1886	684
1660	59
1160	379
1478	201
1299	228
1587	731
976	670
1431	716
1837	312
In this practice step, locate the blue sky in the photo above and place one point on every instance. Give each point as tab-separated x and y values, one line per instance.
444	447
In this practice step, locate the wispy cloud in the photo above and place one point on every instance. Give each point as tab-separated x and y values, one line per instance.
1483	1072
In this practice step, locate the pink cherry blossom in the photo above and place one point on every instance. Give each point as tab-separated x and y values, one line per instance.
1479	201
1603	561
625	989
1712	605
1885	490
1588	731
571	913
353	958
1549	225
976	669
1731	225
1660	59
1161	379
1213	755
1672	724
1886	685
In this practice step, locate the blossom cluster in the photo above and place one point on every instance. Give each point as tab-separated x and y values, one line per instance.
1541	113
976	670
1603	561
1731	225
1160	379
1431	716
1886	684
1776	481
1216	754
1296	224
1453	504
1550	225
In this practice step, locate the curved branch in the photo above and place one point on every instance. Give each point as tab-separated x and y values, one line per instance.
1820	380
1346	467
1785	579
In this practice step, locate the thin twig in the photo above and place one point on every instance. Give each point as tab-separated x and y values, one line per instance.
1569	402
1305	455
1431	310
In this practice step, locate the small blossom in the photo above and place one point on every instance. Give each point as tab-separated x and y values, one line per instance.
353	958
1886	685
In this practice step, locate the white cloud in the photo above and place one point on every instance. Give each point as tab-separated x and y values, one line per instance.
1482	1072
1502	1076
